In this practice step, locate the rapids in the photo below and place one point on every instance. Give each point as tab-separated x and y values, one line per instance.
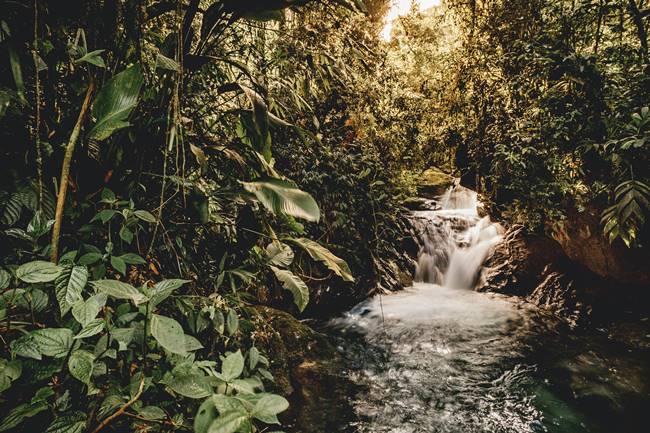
440	357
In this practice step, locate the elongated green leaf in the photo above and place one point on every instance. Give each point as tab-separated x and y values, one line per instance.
5	278
68	286
94	58
94	327
18	414
68	423
114	103
322	254
38	272
168	333
295	285
119	290
282	197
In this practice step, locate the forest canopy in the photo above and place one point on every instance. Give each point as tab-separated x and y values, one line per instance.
168	167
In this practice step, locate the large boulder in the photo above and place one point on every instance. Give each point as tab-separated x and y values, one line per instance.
433	182
518	263
308	370
582	240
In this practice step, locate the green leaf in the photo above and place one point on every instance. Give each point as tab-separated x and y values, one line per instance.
279	254
26	347
168	333
90	258
322	254
86	311
192	344
81	364
232	322
145	216
164	62
69	285
69	423
18	414
295	285
253	357
119	290
233	366
118	264
94	327
38	272
126	234
132	259
55	342
206	414
152	413
163	289
282	197
114	103
268	407
228	422
5	279
93	58
191	385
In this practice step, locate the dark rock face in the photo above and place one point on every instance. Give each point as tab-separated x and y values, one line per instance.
536	268
583	241
518	263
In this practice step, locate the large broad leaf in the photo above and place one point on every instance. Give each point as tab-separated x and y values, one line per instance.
322	254
268	407
81	364
206	414
191	384
55	342
282	197
233	366
229	422
68	286
16	416
38	272
169	334
86	311
119	290
114	103
295	285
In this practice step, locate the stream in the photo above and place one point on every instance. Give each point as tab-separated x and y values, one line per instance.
440	357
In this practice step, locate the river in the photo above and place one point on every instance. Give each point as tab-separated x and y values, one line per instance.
440	357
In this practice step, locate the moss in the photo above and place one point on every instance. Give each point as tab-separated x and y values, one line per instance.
307	369
433	182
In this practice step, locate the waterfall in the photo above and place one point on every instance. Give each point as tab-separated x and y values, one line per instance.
454	240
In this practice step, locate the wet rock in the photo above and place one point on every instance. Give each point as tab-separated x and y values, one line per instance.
433	182
518	263
582	240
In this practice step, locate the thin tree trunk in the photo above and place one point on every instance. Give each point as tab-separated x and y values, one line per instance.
65	174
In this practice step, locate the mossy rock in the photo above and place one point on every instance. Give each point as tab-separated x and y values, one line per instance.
433	182
308	370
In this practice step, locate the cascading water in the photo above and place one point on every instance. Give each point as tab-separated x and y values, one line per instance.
455	240
439	357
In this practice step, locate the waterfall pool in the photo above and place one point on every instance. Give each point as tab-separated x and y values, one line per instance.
439	357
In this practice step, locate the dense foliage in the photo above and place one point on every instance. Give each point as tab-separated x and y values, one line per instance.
540	105
166	166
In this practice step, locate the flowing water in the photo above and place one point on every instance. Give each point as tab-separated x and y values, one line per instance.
440	357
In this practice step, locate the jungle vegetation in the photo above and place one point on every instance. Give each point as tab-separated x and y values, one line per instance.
167	166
